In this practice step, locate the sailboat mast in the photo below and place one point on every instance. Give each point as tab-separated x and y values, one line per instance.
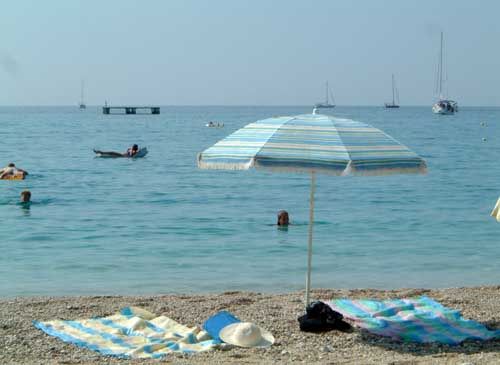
81	93
441	68
326	93
392	89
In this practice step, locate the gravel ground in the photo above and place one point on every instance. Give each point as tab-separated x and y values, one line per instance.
21	343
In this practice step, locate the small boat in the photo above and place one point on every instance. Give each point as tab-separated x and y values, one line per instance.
213	124
443	106
395	96
326	104
82	104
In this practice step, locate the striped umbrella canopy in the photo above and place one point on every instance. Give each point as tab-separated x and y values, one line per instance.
312	143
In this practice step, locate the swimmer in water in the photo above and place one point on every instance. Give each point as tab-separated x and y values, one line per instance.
283	219
26	197
131	152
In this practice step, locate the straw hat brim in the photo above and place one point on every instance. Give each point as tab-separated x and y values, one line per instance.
228	332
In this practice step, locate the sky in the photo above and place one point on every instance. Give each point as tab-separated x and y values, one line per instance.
246	52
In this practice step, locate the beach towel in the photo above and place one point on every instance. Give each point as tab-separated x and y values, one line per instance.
131	333
412	320
217	322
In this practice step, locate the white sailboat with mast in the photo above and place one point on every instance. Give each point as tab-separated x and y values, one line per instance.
82	102
326	104
395	96
443	105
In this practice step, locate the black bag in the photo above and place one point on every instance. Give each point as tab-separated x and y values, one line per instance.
320	317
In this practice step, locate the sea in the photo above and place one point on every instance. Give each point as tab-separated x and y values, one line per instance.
160	225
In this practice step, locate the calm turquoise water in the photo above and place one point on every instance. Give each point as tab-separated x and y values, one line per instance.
159	224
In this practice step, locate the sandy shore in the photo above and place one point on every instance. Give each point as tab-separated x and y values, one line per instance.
21	343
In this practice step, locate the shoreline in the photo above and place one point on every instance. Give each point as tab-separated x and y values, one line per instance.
22	343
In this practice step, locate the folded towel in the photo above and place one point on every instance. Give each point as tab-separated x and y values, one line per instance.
412	320
217	322
132	333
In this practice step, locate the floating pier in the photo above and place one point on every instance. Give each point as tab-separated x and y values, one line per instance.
130	109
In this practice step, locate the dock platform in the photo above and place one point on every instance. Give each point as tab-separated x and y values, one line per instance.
130	109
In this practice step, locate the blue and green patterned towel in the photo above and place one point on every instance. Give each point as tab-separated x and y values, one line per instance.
412	320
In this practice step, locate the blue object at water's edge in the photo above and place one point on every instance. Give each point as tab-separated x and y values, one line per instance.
159	224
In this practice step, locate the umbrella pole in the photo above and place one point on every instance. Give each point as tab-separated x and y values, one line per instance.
309	246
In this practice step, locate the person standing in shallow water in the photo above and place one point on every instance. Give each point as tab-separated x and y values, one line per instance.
283	219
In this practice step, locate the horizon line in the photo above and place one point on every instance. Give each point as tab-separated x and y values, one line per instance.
229	105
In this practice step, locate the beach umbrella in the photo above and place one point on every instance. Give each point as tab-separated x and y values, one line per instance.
312	143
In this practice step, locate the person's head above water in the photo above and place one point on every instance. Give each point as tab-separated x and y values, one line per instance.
135	148
25	196
283	219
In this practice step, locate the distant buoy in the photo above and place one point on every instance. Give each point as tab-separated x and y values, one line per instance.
212	124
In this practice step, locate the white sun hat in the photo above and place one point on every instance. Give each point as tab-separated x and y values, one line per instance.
246	334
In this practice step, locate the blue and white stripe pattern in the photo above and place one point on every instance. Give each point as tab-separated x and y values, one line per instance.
132	333
312	142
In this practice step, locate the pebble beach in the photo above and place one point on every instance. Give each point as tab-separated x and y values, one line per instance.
22	343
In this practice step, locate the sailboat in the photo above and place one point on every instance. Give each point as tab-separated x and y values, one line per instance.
326	103
82	102
443	105
395	96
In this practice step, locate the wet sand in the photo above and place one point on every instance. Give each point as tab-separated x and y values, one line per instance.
21	343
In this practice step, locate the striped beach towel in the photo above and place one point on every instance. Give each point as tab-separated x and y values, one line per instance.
131	333
412	320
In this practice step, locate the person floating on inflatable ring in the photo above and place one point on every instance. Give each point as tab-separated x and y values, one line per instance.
11	170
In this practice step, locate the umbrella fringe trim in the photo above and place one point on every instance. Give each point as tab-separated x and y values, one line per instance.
348	171
224	165
386	171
